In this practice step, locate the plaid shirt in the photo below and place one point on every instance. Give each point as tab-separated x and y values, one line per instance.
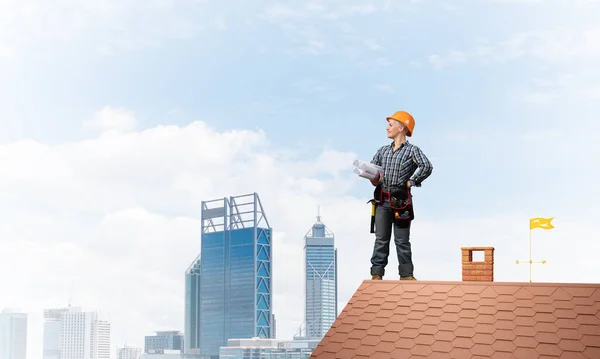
408	162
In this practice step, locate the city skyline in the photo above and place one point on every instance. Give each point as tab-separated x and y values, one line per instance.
65	328
224	218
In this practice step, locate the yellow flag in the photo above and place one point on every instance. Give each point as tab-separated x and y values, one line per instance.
543	223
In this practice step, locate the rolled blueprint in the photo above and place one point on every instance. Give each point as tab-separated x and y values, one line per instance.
367	167
366	170
364	174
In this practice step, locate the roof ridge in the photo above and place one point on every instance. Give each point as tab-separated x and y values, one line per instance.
495	283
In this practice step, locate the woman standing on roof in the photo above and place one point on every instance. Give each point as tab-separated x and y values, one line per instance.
404	166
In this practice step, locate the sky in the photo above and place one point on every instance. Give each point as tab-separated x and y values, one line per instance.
119	117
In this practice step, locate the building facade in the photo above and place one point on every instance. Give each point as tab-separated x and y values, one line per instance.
192	307
51	344
13	335
320	280
164	341
84	335
234	287
256	348
71	333
168	354
128	352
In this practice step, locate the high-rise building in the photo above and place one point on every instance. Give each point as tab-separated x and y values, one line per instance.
71	333
13	334
234	286
192	307
52	320
321	280
273	326
167	340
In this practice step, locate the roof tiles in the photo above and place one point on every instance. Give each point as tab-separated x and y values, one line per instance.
408	319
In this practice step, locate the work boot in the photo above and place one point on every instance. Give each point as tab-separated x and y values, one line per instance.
376	277
410	277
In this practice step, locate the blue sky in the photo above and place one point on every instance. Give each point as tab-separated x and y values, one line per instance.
505	95
309	74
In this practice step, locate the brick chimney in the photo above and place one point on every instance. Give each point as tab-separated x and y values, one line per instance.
478	271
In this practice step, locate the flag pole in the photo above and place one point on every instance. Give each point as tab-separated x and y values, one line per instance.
530	262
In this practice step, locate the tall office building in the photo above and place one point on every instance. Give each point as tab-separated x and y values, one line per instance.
321	280
192	307
71	333
13	335
51	344
231	295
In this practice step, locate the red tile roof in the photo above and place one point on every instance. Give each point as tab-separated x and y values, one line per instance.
416	319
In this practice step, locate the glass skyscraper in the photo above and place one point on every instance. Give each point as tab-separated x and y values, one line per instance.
192	307
228	287
321	280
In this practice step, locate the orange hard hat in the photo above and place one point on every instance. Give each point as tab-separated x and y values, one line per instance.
404	118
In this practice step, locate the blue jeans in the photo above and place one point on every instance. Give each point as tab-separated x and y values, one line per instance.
384	222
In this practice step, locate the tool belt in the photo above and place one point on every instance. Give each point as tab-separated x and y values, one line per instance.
401	205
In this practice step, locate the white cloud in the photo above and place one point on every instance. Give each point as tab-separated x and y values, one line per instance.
573	40
559	46
119	216
109	118
558	62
